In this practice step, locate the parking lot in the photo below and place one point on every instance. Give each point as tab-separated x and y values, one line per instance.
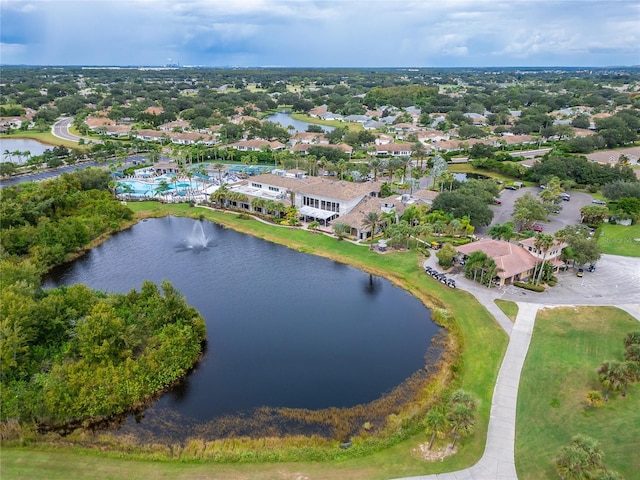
569	215
615	281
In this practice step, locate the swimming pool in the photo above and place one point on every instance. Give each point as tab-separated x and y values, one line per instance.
137	188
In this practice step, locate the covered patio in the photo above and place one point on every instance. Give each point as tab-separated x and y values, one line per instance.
310	214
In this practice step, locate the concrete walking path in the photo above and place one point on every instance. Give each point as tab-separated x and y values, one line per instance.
498	460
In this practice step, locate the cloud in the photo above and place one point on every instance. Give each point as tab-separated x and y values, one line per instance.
322	32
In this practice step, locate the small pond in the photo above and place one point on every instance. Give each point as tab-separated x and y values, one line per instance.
284	119
21	145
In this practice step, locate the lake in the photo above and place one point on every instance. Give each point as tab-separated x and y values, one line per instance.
284	119
22	145
285	329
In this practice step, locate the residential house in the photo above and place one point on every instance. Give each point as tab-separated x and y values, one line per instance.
308	138
117	131
175	125
151	135
256	145
383	139
317	111
94	123
394	149
330	116
373	125
356	118
303	149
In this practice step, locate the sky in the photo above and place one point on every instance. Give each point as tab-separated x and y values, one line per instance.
321	33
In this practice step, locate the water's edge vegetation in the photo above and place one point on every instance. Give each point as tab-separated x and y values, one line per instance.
474	348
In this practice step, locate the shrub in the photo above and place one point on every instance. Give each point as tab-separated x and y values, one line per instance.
529	286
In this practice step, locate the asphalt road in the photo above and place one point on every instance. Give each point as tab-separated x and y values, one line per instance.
569	215
60	129
45	174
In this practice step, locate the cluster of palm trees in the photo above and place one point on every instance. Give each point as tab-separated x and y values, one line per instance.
583	459
8	155
457	418
615	376
479	266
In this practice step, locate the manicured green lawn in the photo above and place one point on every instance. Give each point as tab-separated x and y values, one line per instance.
620	240
44	137
510	309
484	346
567	347
352	126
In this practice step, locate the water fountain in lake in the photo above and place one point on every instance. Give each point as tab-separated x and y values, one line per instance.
197	239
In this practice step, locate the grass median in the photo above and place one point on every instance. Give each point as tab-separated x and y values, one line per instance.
482	342
620	239
567	347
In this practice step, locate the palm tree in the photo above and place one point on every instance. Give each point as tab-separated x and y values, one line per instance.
258	204
371	220
572	463
500	231
219	197
462	408
404	164
462	419
219	167
594	397
162	187
341	230
543	242
436	424
374	165
475	261
611	375
8	154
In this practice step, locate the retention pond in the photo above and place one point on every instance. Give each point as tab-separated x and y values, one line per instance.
285	329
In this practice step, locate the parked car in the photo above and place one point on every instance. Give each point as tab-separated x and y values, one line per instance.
537	228
497	201
599	202
565	196
511	187
580	272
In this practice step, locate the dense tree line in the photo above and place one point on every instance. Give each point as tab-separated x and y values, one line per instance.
54	218
70	353
579	170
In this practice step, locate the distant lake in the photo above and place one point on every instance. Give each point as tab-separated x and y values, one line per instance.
284	119
285	329
22	145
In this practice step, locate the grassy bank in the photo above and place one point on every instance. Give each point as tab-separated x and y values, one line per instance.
354	126
42	137
483	345
620	240
567	347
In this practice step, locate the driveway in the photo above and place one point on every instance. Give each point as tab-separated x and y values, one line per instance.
569	215
616	281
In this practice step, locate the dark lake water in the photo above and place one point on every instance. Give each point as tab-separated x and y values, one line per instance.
285	329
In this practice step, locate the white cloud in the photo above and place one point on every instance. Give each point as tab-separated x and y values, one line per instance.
329	32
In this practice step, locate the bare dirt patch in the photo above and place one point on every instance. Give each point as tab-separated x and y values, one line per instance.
434	455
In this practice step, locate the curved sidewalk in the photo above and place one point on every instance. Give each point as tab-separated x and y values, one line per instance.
498	459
